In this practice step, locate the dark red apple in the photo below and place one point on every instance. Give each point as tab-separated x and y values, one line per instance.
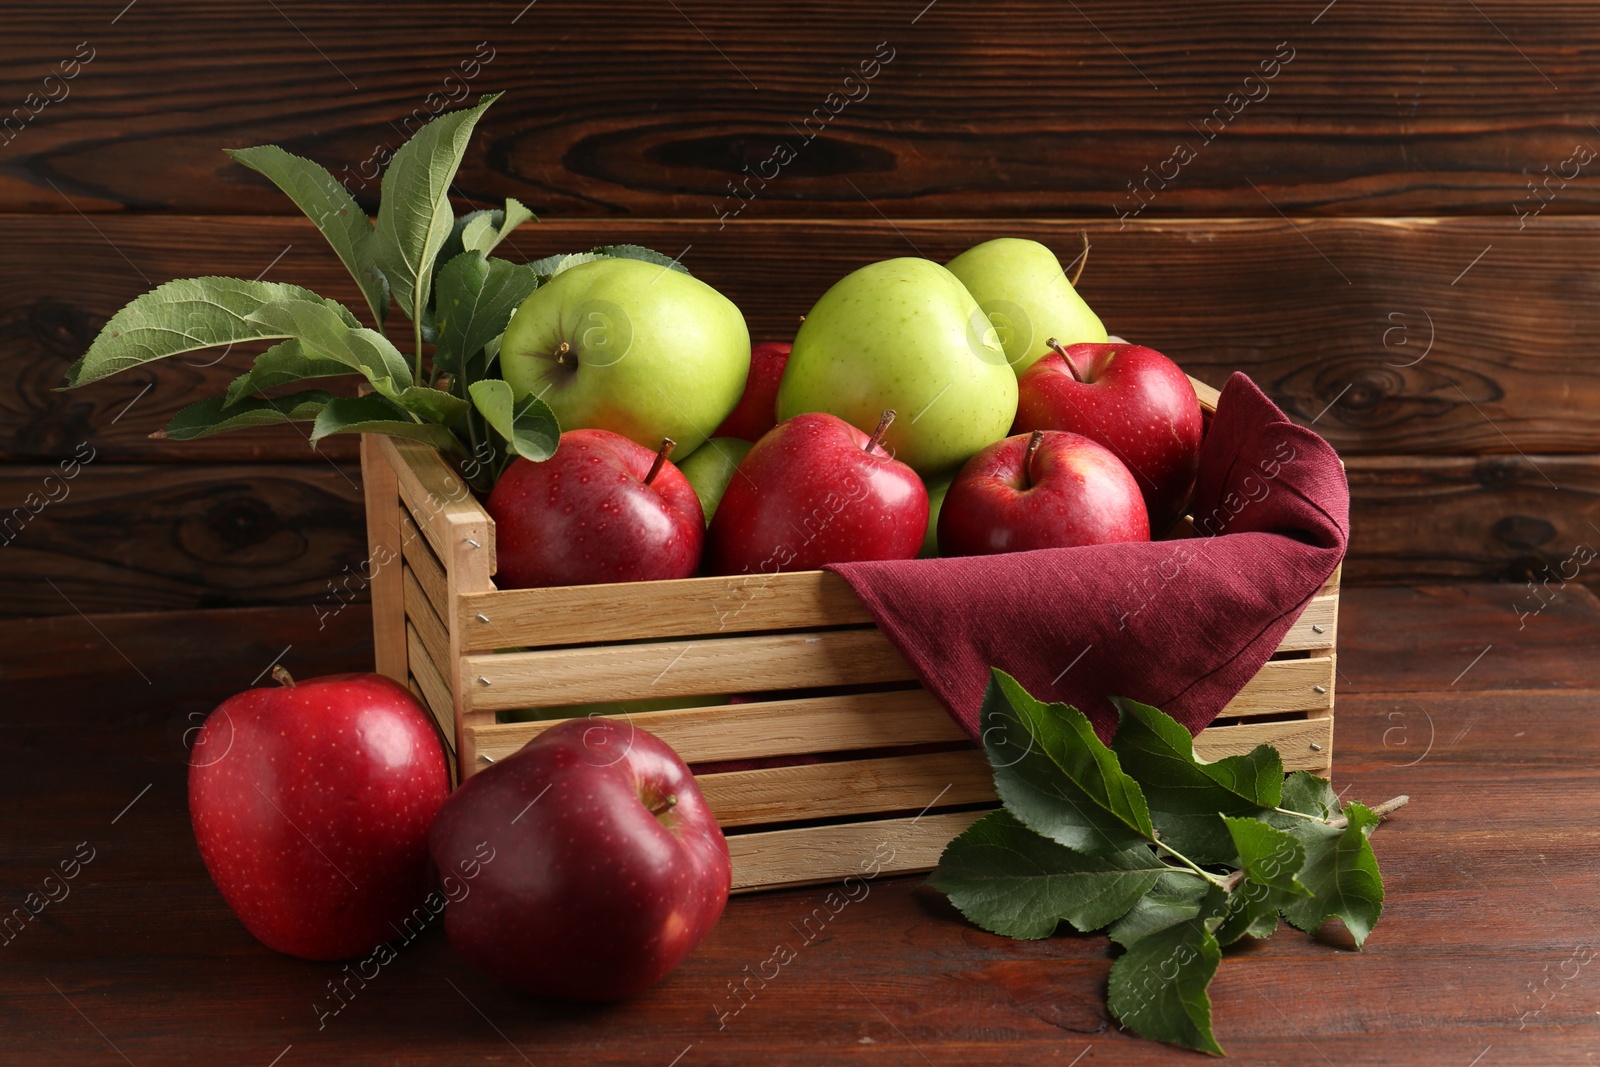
1131	399
311	804
756	412
602	509
817	490
608	865
1040	490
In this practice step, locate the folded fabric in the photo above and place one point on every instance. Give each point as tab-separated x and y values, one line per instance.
1180	624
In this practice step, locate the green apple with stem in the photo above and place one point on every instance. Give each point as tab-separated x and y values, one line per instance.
711	468
632	347
904	334
1022	289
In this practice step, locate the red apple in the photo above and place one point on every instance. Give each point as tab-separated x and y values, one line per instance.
817	490
1040	490
311	804
602	509
756	412
608	866
1131	399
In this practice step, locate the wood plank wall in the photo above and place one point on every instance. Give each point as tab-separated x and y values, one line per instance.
1385	213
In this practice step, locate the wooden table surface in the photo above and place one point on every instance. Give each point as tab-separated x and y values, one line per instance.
1484	956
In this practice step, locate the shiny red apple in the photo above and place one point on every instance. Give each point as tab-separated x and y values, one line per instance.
756	412
817	490
1133	400
608	867
311	804
1040	490
602	509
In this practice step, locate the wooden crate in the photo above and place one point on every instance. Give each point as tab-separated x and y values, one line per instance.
879	801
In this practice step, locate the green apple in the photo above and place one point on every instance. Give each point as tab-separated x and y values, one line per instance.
936	491
904	334
630	347
1021	287
711	468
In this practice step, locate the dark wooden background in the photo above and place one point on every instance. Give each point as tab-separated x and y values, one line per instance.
1360	238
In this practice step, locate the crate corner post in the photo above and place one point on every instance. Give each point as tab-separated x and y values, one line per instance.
381	489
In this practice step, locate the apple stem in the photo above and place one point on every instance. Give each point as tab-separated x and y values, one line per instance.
1027	458
562	351
282	676
1083	260
1055	346
877	435
667	445
668	802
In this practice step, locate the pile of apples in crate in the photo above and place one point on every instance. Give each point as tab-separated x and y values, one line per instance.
964	409
588	865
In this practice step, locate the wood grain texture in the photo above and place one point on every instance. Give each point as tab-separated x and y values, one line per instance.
1324	314
1026	107
147	949
139	537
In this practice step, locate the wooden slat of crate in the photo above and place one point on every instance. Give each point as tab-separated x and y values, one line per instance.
688	668
1316	628
419	613
572	614
439	502
815	854
849	787
425	565
435	693
1292	738
771	728
1283	686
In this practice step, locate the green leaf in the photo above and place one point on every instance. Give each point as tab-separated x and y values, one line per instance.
378	414
475	301
1158	987
648	255
188	315
1010	881
1251	909
1176	897
432	404
281	364
529	426
1342	874
335	212
1055	776
1306	793
209	416
1268	856
550	266
484	230
414	216
326	337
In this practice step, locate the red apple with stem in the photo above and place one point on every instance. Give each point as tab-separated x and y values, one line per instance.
1130	398
608	866
311	804
817	490
756	412
1045	489
602	509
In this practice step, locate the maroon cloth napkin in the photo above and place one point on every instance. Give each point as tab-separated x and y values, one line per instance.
1181	624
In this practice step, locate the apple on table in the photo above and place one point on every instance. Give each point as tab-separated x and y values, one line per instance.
609	867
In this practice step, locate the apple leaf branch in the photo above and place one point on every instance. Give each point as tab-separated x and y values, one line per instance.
1175	857
417	254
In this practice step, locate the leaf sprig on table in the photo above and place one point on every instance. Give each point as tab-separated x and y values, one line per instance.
1175	857
417	254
